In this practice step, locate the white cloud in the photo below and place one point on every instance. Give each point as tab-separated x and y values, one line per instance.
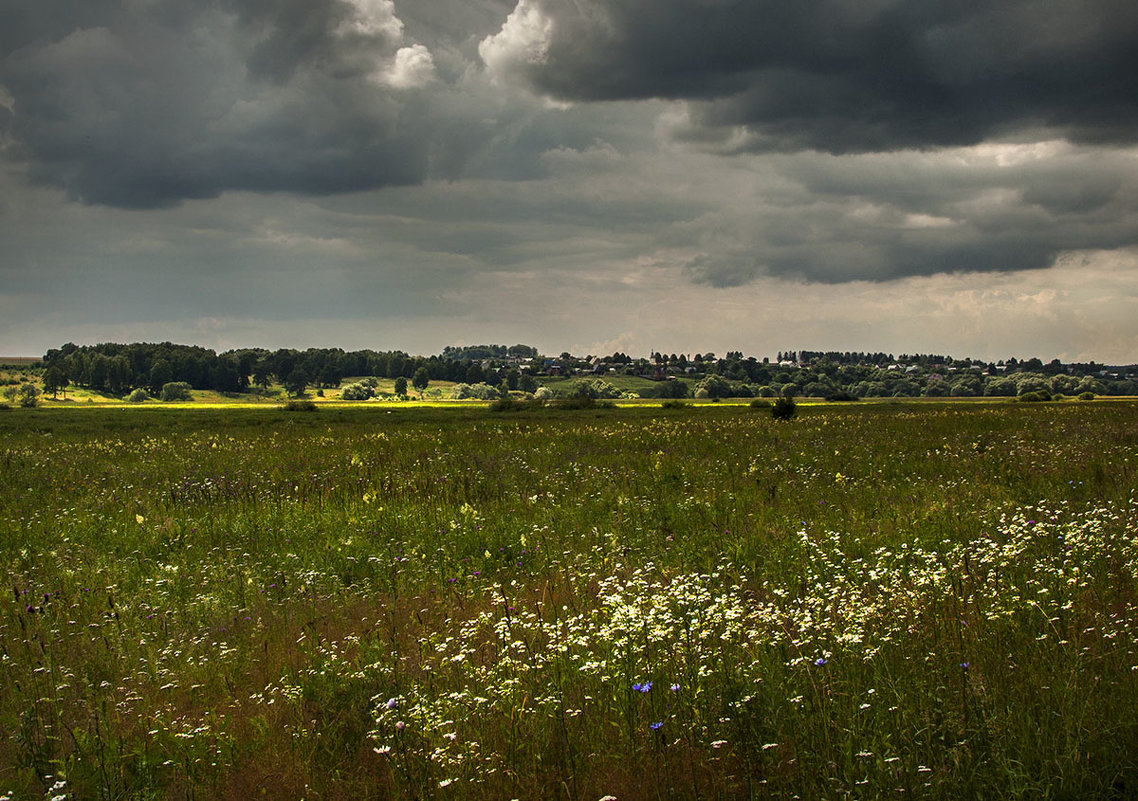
412	68
374	18
523	41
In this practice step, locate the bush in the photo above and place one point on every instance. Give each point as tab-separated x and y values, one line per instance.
714	386
596	388
760	403
673	403
138	396
670	388
300	406
1000	388
1038	396
29	393
511	404
784	408
582	403
1086	396
357	392
841	396
480	391
176	391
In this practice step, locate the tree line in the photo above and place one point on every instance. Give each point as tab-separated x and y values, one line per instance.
117	369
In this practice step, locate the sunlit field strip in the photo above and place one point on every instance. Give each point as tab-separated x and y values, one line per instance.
930	600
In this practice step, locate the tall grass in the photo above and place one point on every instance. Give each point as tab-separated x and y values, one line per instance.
703	602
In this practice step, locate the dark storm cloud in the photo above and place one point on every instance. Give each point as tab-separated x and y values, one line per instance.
841	75
142	105
886	216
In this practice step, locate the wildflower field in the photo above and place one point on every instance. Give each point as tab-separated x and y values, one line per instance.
867	601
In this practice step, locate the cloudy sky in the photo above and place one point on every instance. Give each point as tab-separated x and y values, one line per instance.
945	176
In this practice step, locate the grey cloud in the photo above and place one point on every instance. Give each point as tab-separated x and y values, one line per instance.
841	75
149	105
886	216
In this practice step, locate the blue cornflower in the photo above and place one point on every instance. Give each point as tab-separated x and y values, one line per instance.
646	686
675	688
655	726
820	661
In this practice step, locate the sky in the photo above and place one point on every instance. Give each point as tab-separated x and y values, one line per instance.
956	177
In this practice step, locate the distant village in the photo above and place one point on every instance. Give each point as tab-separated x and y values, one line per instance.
828	374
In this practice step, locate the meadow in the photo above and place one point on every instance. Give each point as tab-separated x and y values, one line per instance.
889	600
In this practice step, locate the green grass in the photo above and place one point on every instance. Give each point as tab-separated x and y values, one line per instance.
936	600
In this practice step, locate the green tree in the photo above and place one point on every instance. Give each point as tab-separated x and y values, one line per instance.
119	375
262	372
99	369
420	381
161	374
330	375
1000	388
296	382
401	387
55	380
716	387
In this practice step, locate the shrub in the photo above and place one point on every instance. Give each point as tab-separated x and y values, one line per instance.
29	393
760	403
480	391
582	403
1038	396
511	404
138	396
841	396
784	408
671	388
176	391
714	386
673	403
300	406
1086	396
357	392
1000	388
597	388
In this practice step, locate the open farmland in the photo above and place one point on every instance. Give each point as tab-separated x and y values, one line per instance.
866	601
